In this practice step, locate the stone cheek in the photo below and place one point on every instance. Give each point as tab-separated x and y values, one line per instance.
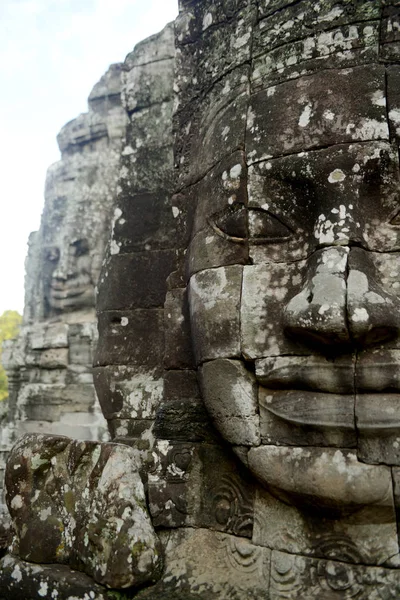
230	395
82	503
214	299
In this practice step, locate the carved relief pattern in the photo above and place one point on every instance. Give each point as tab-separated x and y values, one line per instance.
232	507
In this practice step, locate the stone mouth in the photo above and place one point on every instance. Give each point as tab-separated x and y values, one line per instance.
371	373
63	291
370	413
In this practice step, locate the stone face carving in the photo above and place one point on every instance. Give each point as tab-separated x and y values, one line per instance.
270	278
292	276
49	365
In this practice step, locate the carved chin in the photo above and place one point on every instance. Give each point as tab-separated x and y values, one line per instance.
303	462
325	477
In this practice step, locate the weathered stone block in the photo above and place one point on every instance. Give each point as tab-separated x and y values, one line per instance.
308	104
265	291
390	33
48	336
218	123
377	419
322	476
127	392
293	576
214	298
200	485
203	565
209	249
178	344
82	503
347	45
21	579
230	394
145	221
149	83
184	420
131	337
366	537
136	280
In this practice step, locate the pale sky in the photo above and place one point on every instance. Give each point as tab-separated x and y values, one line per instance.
52	52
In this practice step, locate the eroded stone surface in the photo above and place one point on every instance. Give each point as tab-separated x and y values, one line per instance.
82	504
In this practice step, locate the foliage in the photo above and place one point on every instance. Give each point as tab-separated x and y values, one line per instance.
10	322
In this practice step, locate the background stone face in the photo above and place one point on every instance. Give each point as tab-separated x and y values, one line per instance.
49	365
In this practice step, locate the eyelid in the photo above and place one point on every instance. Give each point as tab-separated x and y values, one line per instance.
274	222
245	212
394	218
226	236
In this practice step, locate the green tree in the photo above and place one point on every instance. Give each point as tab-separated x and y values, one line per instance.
10	322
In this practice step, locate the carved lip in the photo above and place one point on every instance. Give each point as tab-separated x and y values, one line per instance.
371	414
370	374
313	409
62	291
307	373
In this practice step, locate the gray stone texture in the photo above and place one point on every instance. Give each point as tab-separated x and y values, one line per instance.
81	504
141	254
249	312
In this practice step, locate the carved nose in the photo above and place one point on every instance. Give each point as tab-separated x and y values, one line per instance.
341	303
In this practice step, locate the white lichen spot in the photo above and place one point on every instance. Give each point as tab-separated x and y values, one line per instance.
207	21
360	315
333	14
175	211
17	502
323	309
124	321
356	168
225	131
45	513
114	247
127	151
16	574
43	589
235	171
241	41
265	206
163	446
305	116
37	462
328	115
336	176
271	91
394	115
378	98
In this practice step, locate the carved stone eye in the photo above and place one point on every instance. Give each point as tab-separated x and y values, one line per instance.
264	227
231	223
52	254
80	247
